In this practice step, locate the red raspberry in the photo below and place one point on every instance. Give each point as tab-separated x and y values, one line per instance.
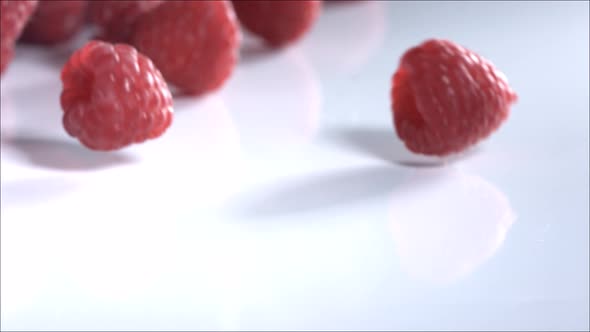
116	18
278	22
194	43
14	14
113	97
55	21
447	98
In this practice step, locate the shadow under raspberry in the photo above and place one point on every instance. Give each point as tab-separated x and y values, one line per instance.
383	144
63	155
333	189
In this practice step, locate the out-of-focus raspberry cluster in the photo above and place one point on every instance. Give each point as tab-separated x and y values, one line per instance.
115	87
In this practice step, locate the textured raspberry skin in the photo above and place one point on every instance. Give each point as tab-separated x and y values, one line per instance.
113	97
278	22
14	15
194	43
116	18
55	21
447	98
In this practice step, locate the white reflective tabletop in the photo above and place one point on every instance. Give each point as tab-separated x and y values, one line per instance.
285	201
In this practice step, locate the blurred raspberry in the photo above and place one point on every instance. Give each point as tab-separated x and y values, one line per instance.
116	18
14	15
55	21
278	22
194	43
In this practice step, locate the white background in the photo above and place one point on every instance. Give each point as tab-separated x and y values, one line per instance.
285	201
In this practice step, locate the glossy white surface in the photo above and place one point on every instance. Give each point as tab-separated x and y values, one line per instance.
285	201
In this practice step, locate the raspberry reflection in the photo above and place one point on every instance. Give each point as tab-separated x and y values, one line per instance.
444	232
346	36
275	98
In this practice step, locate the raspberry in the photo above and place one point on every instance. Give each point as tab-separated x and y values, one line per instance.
447	98
55	21
194	43
14	14
278	22
116	18
113	97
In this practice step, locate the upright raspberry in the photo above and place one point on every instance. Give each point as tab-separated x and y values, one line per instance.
447	98
55	21
116	18
278	22
14	15
194	43
113	97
